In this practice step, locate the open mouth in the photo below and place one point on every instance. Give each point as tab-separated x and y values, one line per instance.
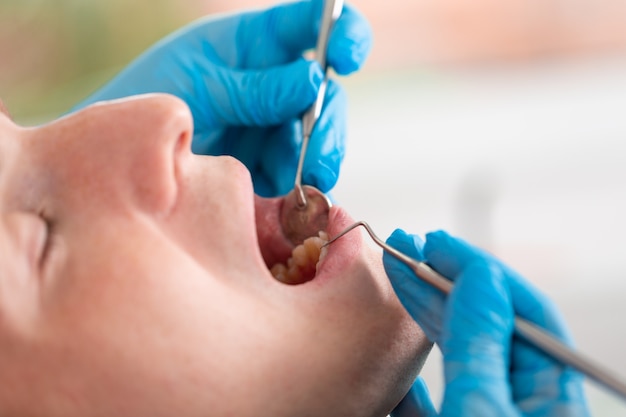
288	264
302	265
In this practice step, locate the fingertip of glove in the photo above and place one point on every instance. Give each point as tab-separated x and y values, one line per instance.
437	237
398	239
407	243
442	244
314	75
353	42
353	57
324	179
294	87
483	273
397	236
477	326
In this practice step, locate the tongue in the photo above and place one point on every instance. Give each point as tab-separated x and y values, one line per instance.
275	247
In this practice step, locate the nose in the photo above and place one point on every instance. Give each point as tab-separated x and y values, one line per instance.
123	152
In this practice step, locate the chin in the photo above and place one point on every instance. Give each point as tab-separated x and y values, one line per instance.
372	350
397	362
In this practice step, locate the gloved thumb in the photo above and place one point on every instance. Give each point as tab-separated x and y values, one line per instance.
475	342
264	97
423	302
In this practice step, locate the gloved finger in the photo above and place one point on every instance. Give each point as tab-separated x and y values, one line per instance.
416	403
423	302
326	148
350	42
475	343
534	376
258	97
542	386
531	305
450	256
283	33
548	388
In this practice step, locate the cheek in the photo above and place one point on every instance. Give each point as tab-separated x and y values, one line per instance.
132	329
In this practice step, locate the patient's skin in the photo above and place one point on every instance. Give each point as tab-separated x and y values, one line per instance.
149	296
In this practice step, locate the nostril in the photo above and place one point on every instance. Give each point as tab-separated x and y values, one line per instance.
183	143
182	123
175	122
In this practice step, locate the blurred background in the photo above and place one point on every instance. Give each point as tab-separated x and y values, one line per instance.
500	121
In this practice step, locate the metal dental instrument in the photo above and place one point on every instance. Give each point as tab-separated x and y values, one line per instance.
305	209
525	329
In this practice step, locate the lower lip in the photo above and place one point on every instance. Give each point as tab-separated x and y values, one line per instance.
342	252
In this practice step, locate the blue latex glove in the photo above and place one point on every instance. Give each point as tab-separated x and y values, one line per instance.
487	371
246	83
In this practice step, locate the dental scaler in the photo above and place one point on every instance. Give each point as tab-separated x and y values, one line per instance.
305	209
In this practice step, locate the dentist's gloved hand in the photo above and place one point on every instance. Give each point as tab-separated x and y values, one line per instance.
487	371
246	83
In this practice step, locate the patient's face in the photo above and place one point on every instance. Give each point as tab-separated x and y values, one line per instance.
134	282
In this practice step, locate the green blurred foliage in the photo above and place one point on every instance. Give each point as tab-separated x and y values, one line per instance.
54	53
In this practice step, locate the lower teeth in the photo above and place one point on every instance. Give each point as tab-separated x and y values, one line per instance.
302	265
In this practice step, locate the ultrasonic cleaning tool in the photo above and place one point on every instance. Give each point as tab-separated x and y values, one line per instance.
305	209
524	329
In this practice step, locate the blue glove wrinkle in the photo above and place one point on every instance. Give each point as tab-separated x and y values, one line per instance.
261	98
208	31
533	305
288	91
474	331
541	386
252	38
449	255
535	378
350	42
476	335
550	391
423	302
292	29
